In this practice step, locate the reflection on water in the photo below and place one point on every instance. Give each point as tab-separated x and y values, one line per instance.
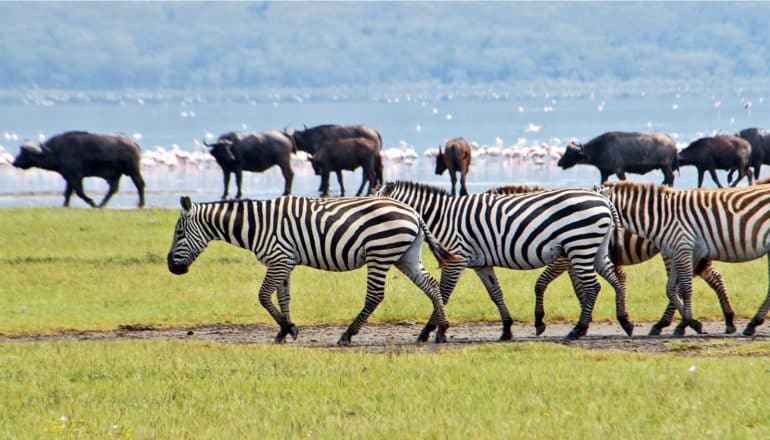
533	119
164	185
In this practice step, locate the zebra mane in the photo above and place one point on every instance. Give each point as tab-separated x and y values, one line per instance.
515	189
640	186
409	185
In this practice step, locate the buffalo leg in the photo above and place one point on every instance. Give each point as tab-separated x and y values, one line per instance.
364	179
453	177
114	183
238	182
226	175
339	180
715	178
701	172
139	184
324	188
463	188
77	185
605	175
668	176
288	176
67	193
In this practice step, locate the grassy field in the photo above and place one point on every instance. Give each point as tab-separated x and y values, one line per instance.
98	269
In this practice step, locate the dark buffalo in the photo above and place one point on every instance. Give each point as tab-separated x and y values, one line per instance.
455	157
760	147
723	152
312	139
618	152
348	154
79	154
236	152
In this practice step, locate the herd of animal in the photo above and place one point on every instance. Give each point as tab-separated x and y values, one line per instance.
586	232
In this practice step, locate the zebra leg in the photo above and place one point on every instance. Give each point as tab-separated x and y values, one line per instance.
487	276
283	302
617	278
668	314
551	272
276	276
449	276
591	289
714	279
375	292
759	318
411	266
681	275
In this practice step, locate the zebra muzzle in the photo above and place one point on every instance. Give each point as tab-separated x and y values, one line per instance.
176	268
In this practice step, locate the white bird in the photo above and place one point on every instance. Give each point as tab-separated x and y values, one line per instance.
691	369
418	128
532	128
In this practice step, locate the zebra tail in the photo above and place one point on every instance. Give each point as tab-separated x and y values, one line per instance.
442	254
616	248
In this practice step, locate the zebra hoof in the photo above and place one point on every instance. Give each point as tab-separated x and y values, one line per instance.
628	327
730	329
293	331
680	330
576	333
539	329
506	336
697	326
344	340
655	330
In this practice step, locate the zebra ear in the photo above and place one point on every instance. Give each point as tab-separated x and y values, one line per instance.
185	202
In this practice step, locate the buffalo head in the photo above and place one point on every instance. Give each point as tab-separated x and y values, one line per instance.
222	150
573	155
30	155
440	164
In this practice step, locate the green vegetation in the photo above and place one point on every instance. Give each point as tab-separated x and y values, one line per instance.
98	269
93	269
173	389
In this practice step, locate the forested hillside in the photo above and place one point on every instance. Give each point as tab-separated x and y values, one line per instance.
296	44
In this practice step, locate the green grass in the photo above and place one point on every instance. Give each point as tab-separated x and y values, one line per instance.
97	269
174	389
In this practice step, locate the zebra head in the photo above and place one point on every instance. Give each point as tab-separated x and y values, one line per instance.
188	242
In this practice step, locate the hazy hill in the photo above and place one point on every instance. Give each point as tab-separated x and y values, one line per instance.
296	44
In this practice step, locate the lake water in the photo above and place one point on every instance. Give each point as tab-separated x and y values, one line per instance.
405	122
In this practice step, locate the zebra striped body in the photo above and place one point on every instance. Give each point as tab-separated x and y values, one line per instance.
329	234
517	232
631	249
690	225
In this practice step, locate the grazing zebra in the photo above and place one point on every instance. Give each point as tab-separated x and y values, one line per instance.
631	249
519	232
334	234
691	225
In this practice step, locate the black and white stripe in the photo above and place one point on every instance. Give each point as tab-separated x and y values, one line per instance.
697	224
330	234
518	232
631	249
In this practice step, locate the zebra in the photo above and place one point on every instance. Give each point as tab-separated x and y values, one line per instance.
730	225
632	249
329	234
518	232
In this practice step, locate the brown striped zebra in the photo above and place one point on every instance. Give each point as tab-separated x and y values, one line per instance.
632	249
730	225
519	232
328	234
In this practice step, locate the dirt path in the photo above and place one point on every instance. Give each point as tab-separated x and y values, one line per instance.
402	336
